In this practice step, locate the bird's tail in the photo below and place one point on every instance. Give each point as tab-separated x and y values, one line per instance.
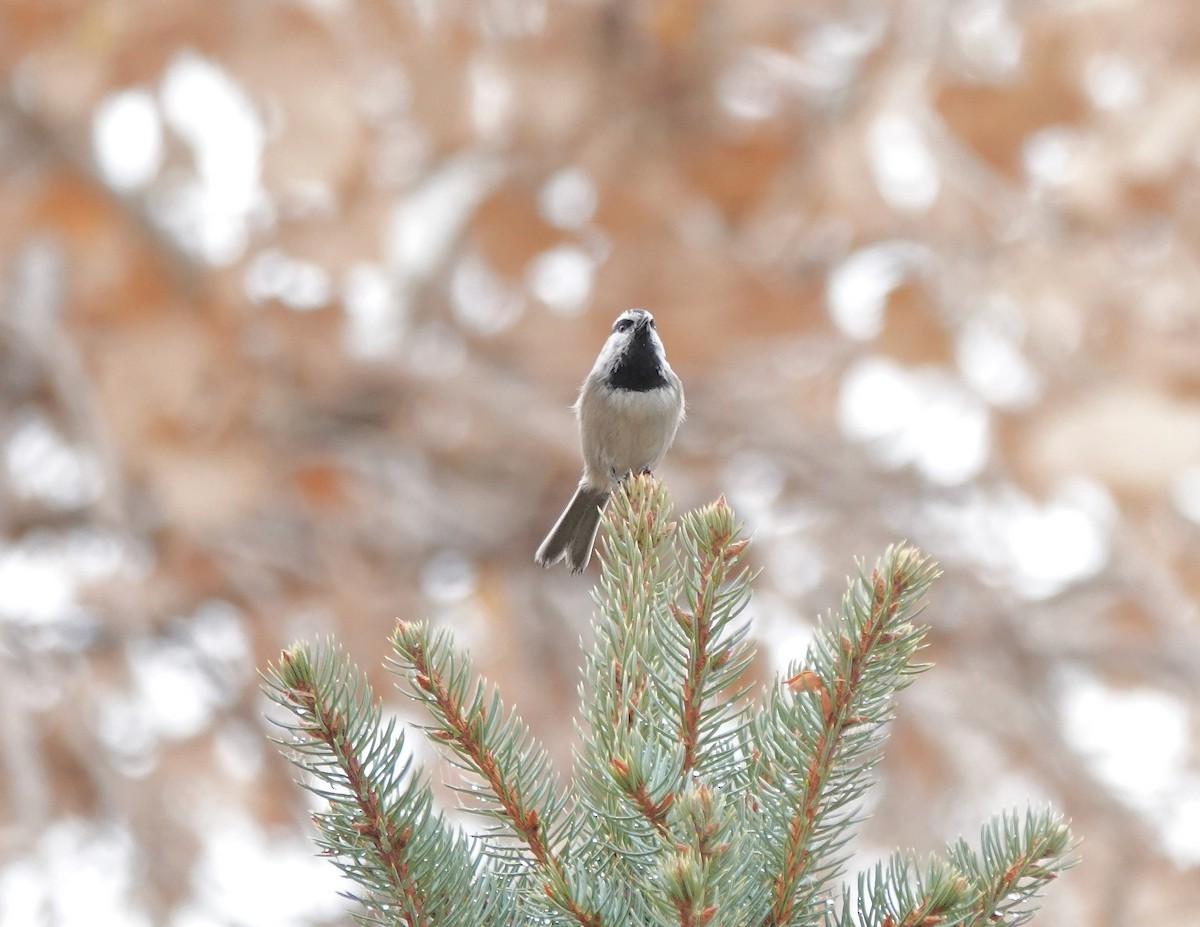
574	533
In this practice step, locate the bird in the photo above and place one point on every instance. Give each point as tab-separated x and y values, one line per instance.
629	408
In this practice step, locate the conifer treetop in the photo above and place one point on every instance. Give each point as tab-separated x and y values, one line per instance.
694	802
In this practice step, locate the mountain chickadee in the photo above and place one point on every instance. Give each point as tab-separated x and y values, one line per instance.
629	408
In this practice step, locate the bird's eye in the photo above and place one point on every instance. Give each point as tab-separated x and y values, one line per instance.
652	323
624	325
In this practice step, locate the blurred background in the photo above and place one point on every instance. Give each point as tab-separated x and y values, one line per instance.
295	296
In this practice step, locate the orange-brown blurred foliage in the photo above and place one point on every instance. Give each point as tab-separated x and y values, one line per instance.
295	295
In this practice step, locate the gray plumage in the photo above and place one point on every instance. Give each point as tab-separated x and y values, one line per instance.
629	409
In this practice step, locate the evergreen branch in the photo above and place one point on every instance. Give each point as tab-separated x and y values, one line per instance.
636	790
903	894
713	653
379	826
707	878
967	891
831	726
623	742
656	695
1016	861
464	723
702	859
496	748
